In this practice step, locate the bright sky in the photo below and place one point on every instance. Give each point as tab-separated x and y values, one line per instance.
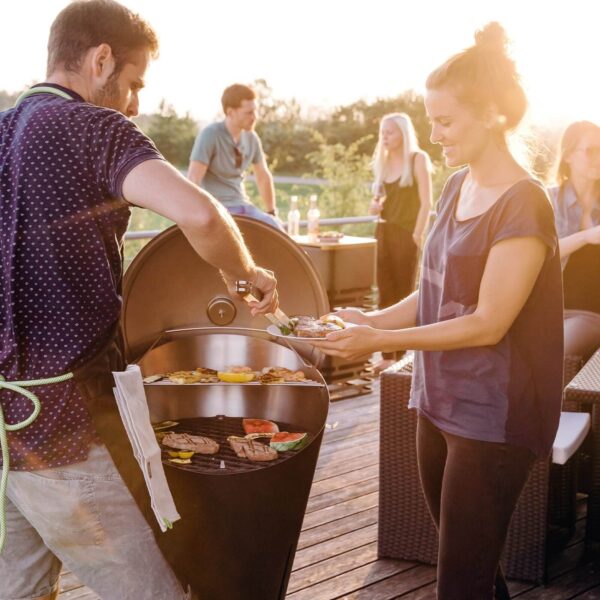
331	52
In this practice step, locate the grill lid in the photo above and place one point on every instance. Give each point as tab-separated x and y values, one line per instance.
168	286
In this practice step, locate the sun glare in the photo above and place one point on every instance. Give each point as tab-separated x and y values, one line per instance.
333	53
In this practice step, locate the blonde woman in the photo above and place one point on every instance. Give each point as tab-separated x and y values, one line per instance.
576	201
402	199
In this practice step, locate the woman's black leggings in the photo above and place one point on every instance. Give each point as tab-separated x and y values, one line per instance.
471	488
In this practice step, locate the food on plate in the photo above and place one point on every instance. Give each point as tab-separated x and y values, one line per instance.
281	375
199	375
284	441
311	327
330	236
229	377
258	436
195	443
251	449
181	461
238	369
164	425
259	426
153	378
205	371
268	377
181	453
184	377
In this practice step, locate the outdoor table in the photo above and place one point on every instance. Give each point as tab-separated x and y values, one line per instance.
347	267
584	389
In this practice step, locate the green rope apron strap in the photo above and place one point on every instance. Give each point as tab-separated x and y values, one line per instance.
19	388
42	89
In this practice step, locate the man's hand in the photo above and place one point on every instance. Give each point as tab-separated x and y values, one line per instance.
264	281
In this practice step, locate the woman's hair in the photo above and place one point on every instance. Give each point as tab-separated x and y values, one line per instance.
85	24
484	75
410	145
569	141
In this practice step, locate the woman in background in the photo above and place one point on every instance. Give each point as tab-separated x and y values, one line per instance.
486	322
402	199
576	201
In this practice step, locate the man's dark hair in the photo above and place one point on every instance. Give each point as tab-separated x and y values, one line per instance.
235	94
85	24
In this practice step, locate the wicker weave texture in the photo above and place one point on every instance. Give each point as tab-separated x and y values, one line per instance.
584	390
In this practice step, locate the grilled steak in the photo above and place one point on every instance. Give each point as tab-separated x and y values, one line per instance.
196	443
245	448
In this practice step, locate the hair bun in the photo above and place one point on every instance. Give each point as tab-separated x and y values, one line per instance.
492	37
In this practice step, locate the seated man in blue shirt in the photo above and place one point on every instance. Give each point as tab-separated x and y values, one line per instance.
224	150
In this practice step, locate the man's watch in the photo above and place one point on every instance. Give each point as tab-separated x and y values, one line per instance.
272	212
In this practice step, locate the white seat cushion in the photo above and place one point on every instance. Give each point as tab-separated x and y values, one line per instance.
572	429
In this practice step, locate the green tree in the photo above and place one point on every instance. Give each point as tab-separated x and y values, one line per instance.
287	138
173	135
348	172
361	120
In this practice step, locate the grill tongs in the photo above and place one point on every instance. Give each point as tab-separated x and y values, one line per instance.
249	294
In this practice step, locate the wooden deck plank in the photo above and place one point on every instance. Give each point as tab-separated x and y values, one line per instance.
346	466
361	488
335	446
353	580
343	509
331	567
357	429
345	479
581	580
337	550
337	528
337	545
392	587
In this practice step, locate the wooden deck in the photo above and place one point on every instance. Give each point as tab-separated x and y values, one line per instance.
337	551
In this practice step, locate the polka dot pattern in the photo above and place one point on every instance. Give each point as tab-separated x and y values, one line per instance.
62	224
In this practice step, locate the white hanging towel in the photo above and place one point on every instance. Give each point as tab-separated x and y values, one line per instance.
131	400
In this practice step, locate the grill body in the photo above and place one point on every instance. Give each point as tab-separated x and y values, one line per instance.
239	528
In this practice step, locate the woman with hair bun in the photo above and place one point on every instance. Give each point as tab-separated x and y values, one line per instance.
402	197
486	322
576	201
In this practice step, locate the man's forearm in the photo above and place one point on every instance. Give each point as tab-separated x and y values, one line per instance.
220	243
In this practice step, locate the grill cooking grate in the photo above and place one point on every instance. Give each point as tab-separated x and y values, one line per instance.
219	428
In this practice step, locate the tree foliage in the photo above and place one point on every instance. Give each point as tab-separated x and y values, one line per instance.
348	172
173	135
8	99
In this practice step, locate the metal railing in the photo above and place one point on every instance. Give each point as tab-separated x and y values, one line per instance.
144	235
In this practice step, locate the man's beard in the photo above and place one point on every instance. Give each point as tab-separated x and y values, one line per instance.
108	95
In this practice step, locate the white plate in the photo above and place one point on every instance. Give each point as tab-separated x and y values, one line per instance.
274	331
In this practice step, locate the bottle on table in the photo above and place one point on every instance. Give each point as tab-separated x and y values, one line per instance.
313	219
293	219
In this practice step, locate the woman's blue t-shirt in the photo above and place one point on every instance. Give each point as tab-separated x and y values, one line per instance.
510	392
